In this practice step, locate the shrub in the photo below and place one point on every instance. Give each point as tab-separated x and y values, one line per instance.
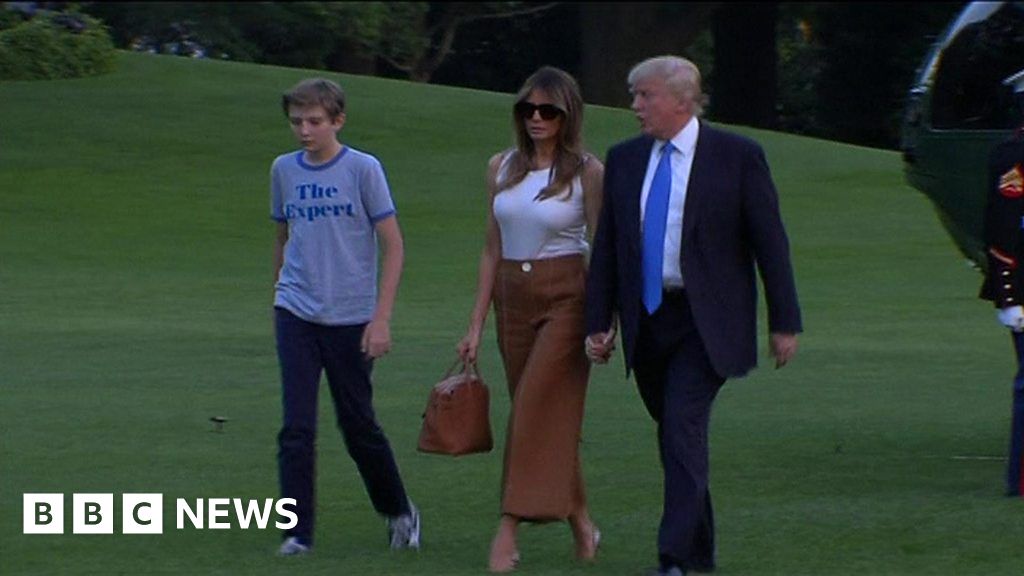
10	19
55	45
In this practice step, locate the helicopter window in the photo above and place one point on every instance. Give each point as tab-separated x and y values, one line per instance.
968	92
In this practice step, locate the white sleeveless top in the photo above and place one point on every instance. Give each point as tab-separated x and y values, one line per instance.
539	229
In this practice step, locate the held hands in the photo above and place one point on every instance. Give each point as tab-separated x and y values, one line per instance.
376	340
783	348
600	345
1012	317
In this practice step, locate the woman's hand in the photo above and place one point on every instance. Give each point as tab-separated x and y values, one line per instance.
468	347
599	346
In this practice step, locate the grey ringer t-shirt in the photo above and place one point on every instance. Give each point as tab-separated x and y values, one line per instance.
329	274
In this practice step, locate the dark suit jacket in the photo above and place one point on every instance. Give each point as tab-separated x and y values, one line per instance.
731	221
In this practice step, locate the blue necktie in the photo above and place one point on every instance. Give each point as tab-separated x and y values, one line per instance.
655	217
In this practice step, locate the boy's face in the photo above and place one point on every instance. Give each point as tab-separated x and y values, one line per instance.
314	128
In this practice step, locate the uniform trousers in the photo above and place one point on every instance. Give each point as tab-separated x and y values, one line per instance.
306	349
540	324
678	385
1015	466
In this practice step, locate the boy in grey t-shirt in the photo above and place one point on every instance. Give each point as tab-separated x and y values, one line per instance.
331	204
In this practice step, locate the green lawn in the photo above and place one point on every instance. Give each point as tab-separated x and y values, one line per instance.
135	291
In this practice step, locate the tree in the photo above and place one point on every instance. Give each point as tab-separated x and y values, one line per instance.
744	86
420	35
869	52
834	70
412	38
615	36
799	69
499	54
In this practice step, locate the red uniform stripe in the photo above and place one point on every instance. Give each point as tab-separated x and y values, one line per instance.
1002	257
1020	481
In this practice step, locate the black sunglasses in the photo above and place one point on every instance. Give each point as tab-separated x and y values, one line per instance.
525	110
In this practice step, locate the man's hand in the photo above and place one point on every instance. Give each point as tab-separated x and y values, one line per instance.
600	345
376	339
783	348
1012	317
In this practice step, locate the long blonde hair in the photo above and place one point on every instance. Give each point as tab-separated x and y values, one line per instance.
569	156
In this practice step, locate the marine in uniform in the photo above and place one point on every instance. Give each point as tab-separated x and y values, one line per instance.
1004	282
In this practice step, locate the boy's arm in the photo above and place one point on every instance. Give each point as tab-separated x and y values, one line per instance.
377	336
280	240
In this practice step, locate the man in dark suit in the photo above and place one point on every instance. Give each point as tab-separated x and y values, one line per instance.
688	212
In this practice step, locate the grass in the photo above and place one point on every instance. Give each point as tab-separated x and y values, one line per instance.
134	305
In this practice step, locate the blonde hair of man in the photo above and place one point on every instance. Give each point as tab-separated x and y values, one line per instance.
681	77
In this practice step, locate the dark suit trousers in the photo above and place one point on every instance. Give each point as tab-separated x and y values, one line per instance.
678	385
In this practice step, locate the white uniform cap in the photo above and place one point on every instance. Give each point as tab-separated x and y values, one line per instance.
1016	82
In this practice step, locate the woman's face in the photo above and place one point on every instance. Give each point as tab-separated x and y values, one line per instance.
541	116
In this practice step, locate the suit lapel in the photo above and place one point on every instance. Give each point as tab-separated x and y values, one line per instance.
697	187
638	158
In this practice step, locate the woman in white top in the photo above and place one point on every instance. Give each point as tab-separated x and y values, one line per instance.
545	196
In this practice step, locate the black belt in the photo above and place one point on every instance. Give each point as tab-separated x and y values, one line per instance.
673	293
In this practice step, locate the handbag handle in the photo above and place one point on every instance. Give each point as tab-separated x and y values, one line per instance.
467	367
447	383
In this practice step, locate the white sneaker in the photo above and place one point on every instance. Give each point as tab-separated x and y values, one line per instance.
293	547
404	531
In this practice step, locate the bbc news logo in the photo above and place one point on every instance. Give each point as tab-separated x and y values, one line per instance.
144	513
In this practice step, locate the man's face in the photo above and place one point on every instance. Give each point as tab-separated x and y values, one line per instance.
661	114
315	130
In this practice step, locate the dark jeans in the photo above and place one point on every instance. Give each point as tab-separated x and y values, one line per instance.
305	350
678	385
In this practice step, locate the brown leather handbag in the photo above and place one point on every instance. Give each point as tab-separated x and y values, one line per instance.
457	420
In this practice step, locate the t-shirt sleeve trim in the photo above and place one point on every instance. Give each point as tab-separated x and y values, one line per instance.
382	216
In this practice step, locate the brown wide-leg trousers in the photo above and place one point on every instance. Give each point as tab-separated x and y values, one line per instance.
539	310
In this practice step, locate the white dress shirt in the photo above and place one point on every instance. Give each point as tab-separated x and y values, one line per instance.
685	143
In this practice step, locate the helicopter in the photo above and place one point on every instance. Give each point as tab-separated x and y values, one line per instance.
958	110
